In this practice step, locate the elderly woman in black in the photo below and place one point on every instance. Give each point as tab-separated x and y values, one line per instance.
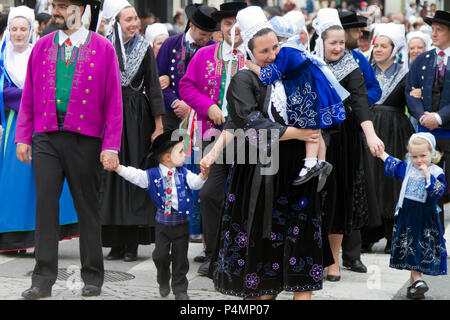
271	237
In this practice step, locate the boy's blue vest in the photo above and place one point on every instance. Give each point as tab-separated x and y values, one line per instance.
157	190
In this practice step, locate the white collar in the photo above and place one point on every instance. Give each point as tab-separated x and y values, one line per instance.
226	50
188	37
446	51
165	170
77	38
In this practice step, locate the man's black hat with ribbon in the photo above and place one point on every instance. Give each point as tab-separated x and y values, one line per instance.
442	17
201	17
350	20
228	9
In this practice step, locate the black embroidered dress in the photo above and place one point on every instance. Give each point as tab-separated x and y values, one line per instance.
271	237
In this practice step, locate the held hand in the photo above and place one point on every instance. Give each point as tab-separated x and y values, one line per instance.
429	121
164	82
215	114
110	160
208	160
376	146
23	152
181	109
204	171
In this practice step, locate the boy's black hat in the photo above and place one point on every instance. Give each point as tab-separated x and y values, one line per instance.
163	142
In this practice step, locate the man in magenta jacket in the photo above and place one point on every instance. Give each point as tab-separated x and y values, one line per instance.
71	112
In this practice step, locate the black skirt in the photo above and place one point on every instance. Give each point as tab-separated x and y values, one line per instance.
344	197
123	203
394	128
294	256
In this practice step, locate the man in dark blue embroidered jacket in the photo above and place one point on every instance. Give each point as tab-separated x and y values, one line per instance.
430	72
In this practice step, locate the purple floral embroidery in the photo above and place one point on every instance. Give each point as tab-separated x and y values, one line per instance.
295	231
273	236
252	281
227	235
241	262
316	272
241	239
231	197
275	266
292	261
303	202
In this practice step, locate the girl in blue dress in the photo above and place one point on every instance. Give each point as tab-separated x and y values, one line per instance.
314	100
418	243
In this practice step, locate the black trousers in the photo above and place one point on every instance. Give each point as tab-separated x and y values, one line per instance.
171	246
76	157
351	246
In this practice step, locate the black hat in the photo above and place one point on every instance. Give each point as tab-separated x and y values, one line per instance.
365	34
95	12
442	17
200	16
228	9
163	142
349	20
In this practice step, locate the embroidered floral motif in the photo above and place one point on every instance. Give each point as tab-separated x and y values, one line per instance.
316	272
241	262
275	266
241	239
300	111
231	197
252	281
303	202
292	261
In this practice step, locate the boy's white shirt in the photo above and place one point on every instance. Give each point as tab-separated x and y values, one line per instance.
140	178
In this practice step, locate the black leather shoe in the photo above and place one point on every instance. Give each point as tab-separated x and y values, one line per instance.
181	296
203	270
201	257
332	278
325	171
130	256
35	293
355	265
311	173
417	290
90	291
164	291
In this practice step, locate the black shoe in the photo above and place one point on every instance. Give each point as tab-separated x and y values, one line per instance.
181	296
311	173
164	291
115	254
325	171
35	293
201	257
417	290
387	249
203	270
90	291
355	265
333	278
130	256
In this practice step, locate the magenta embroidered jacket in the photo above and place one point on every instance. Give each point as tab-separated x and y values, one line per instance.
201	86
95	105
